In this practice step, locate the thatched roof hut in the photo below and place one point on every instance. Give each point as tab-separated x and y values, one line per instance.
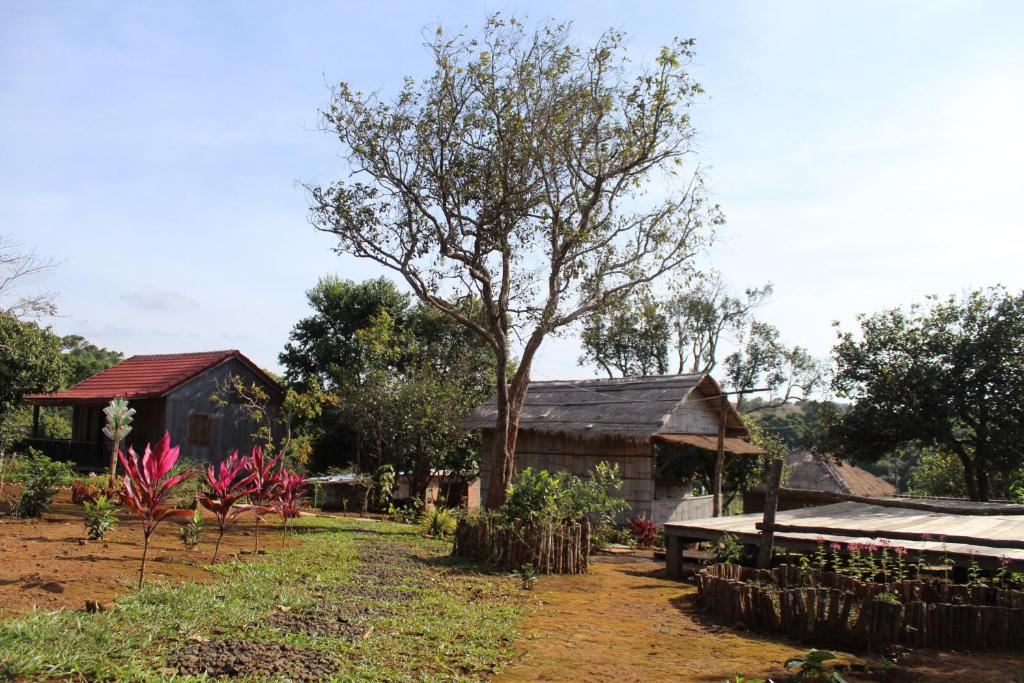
572	425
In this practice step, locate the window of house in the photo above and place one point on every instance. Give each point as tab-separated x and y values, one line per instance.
200	429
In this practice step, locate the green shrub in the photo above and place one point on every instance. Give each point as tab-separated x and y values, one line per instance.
42	476
100	516
438	522
727	550
541	495
191	530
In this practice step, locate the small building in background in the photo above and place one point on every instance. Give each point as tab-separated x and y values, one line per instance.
573	425
810	473
169	392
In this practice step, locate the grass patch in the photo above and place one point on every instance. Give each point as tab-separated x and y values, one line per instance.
423	616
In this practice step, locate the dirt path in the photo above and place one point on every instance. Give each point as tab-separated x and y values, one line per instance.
625	622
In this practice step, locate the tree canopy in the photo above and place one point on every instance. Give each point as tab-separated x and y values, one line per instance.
409	377
947	375
85	359
520	175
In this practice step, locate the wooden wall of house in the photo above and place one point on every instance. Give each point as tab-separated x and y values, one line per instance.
580	457
228	431
148	424
696	415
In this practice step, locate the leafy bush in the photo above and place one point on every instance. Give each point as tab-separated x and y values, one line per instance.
191	530
438	522
406	510
42	477
527	576
727	550
644	532
225	485
100	516
538	494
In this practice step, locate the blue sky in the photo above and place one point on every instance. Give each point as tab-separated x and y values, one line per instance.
866	154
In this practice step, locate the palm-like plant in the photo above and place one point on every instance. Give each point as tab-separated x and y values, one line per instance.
147	489
228	482
264	485
119	425
292	495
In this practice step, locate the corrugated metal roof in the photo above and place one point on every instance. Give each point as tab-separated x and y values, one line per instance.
142	377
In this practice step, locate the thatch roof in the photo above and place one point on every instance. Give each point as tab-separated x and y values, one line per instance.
813	472
633	408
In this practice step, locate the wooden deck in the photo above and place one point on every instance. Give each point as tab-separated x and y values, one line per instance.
992	536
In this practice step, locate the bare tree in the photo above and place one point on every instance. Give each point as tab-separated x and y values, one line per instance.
16	265
764	363
536	177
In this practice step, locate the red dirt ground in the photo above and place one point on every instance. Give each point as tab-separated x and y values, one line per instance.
47	563
625	622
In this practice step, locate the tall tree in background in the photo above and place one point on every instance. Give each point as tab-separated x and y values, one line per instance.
405	376
629	336
517	175
85	359
705	314
764	363
948	375
30	362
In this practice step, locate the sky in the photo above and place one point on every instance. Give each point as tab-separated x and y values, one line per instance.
866	154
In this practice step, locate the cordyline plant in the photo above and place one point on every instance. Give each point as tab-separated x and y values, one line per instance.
228	482
148	487
292	495
264	486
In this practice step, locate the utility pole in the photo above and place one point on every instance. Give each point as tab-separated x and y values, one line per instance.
716	500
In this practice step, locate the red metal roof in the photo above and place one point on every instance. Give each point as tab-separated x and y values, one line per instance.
141	377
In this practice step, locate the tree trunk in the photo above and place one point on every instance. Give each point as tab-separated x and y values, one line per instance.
145	551
216	548
113	463
969	475
510	407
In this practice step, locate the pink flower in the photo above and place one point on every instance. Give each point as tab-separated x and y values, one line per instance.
835	546
926	537
819	540
900	550
1004	560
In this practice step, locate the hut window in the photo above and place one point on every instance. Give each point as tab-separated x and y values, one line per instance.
200	429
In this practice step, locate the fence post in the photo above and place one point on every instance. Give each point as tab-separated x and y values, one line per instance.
771	503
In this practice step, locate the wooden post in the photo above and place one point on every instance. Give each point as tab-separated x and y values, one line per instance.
673	556
716	500
35	421
771	503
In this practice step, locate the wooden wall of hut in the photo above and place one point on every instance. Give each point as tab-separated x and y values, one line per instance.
567	453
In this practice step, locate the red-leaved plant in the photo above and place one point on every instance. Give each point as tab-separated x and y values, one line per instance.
293	494
644	531
264	486
227	482
148	487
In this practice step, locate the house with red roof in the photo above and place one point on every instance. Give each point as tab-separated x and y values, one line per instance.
169	392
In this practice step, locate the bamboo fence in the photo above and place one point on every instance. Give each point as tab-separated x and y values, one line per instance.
806	603
552	547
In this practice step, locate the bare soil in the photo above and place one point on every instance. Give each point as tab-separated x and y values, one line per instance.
47	563
234	658
626	622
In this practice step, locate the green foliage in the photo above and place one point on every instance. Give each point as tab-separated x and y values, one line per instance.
385	486
937	473
100	516
409	377
628	336
191	530
945	376
727	550
438	522
812	667
405	512
85	359
542	495
42	476
30	362
527	576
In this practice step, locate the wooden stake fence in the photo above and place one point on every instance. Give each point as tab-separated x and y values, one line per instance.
551	547
839	609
